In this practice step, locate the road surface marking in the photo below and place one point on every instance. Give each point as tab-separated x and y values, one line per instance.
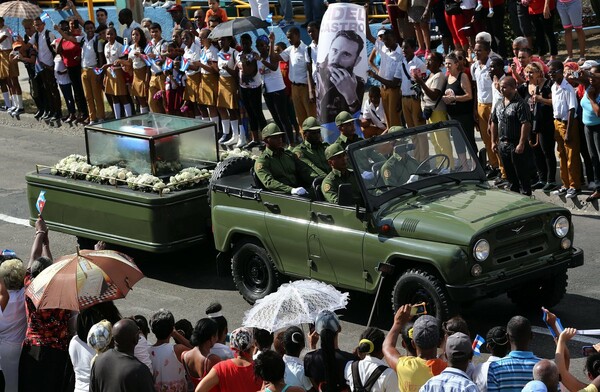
16	221
581	339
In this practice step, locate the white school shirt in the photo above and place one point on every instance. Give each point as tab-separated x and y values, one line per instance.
296	57
391	60
158	48
387	381
313	59
137	62
45	55
192	54
226	58
208	55
481	76
89	57
375	114
59	66
112	52
563	100
405	85
7	43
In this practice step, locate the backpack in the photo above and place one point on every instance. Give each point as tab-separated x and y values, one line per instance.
358	386
47	34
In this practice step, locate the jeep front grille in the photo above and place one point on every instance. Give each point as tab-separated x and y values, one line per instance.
521	249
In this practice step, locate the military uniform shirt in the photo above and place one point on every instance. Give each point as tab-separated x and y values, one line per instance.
344	141
332	182
314	157
398	169
282	171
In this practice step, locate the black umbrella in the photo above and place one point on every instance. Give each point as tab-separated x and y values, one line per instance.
238	26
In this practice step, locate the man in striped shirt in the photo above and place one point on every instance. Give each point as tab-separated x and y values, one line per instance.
511	373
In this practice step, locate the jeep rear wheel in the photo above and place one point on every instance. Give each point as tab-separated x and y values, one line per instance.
416	286
543	292
253	271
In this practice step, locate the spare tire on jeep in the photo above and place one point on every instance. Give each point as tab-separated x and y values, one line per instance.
229	167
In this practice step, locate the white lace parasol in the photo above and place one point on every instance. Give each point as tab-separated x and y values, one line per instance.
294	303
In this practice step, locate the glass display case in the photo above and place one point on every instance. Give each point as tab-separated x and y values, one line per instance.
156	144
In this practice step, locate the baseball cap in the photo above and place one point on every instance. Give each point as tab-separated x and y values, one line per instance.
381	32
426	331
535	386
343	118
327	320
176	7
458	346
311	124
588	64
333	150
271	130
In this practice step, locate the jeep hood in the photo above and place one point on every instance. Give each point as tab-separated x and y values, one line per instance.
454	214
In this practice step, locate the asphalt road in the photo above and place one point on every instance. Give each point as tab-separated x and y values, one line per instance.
186	282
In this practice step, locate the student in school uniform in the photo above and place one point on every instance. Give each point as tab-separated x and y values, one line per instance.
114	79
141	73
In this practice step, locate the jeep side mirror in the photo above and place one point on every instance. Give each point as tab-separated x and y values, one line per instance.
345	195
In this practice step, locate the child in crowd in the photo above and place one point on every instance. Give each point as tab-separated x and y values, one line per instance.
141	75
64	83
372	117
114	79
215	10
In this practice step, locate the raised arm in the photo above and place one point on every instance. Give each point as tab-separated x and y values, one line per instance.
560	358
390	352
41	232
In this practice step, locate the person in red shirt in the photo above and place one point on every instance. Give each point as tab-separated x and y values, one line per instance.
70	49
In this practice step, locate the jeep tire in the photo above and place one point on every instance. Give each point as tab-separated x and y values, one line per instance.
543	292
253	271
416	286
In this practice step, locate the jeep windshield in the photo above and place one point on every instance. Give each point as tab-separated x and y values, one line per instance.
410	160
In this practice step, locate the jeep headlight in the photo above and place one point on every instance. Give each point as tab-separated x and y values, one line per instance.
481	250
561	226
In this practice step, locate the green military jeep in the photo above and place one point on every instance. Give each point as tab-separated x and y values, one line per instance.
451	237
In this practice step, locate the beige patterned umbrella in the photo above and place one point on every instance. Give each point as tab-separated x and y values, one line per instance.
20	9
83	279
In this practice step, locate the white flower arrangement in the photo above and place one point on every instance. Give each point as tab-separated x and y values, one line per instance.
237	152
76	166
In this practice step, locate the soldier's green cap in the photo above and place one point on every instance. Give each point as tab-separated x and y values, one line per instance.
396	128
271	130
333	150
343	118
311	124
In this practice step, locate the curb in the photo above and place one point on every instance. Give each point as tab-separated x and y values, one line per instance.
28	120
577	205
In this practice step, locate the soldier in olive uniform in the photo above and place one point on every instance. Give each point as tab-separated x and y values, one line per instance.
400	166
336	157
346	124
312	150
279	169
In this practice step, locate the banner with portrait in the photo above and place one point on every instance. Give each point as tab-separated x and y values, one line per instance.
341	65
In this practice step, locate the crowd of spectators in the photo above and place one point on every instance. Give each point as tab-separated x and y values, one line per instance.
97	349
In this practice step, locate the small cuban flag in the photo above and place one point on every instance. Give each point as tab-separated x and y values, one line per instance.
45	17
148	48
112	72
126	50
185	64
477	343
12	34
269	19
41	202
168	64
98	71
203	57
146	59
224	56
557	325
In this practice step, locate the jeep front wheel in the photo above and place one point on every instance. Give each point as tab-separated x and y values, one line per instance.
544	292
415	286
253	271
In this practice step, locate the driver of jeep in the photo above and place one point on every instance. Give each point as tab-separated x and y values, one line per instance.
400	166
278	169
